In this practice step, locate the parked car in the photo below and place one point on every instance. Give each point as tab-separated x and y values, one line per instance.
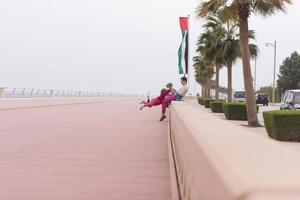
290	100
223	97
239	96
262	98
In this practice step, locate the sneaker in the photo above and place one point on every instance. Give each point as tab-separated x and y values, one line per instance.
143	102
162	118
141	108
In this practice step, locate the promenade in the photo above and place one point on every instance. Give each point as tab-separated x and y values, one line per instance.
105	150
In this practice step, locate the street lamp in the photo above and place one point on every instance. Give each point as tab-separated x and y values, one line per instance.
274	45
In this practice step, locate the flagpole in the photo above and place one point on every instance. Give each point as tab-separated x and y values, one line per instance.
188	67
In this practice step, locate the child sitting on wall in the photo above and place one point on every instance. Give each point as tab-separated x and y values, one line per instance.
158	100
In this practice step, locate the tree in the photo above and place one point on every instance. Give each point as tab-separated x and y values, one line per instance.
228	42
289	75
208	48
241	10
203	74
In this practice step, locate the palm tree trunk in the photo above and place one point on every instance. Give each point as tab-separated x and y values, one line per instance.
229	81
208	89
202	90
248	81
217	82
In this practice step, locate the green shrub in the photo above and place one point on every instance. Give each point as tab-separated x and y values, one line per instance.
201	100
235	111
217	106
283	125
207	102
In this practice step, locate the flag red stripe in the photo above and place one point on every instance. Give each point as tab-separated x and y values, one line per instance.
183	23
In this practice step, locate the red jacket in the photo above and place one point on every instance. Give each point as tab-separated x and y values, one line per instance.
163	95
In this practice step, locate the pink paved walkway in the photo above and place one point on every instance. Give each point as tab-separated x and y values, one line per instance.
100	151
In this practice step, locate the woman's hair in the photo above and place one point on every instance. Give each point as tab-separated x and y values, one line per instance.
162	91
169	85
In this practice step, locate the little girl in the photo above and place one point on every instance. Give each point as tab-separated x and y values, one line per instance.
158	100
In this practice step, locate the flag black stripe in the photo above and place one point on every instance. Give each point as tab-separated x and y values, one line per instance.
186	53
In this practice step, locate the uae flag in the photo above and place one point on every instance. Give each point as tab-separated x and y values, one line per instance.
183	51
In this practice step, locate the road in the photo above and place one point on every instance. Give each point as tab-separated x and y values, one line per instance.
266	108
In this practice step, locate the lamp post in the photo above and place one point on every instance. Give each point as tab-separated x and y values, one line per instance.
274	45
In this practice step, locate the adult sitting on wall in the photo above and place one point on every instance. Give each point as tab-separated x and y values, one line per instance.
175	96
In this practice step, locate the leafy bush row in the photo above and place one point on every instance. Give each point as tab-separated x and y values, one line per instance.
201	100
207	102
283	125
235	111
217	106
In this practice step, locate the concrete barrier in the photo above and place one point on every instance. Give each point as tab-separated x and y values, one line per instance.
219	160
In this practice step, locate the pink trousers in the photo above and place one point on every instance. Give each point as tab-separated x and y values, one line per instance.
153	102
166	102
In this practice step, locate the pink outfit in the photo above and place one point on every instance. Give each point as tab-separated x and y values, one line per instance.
153	102
166	102
158	100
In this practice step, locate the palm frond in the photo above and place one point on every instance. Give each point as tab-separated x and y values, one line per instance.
269	7
208	7
254	51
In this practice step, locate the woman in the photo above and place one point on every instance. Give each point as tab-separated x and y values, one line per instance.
176	96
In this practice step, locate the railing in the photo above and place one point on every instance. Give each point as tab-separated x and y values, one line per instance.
6	92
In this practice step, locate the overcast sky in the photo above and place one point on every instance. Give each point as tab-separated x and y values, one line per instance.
116	45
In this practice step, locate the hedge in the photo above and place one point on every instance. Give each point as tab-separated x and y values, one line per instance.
283	125
217	106
235	111
207	102
201	100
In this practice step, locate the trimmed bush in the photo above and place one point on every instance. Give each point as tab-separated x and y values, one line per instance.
201	100
217	106
283	125
207	102
235	111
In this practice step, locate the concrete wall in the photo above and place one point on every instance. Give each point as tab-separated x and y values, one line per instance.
220	160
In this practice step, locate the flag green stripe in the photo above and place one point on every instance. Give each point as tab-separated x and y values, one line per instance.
180	53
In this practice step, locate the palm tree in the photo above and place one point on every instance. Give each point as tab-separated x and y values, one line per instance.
229	46
241	9
203	74
208	47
